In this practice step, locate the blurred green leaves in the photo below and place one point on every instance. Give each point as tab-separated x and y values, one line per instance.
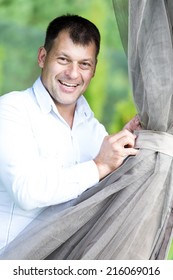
170	253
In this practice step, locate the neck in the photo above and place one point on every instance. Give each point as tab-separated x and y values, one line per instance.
67	114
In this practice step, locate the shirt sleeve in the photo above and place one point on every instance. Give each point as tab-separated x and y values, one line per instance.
31	180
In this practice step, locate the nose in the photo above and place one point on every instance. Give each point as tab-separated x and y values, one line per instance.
72	71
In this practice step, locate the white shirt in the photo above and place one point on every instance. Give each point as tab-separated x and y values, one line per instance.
42	160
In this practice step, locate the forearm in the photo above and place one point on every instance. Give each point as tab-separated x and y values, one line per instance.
44	183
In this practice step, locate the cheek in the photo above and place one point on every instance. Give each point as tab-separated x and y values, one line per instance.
87	79
49	70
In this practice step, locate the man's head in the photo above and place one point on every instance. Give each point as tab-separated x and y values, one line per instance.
68	59
81	31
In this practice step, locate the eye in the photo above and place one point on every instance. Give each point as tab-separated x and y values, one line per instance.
63	60
85	65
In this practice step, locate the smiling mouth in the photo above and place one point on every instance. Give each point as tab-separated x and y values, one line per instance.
68	84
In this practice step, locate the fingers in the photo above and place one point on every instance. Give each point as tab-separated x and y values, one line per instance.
131	152
133	124
115	148
123	143
125	138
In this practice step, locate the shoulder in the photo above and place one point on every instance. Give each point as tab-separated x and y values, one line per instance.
13	104
15	97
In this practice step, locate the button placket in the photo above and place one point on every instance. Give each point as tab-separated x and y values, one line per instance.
75	149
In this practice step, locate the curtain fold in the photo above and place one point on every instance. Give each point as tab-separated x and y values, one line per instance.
127	215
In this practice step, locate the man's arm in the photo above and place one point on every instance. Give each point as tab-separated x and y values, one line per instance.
32	179
35	181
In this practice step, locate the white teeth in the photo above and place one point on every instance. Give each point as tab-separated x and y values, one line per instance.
68	85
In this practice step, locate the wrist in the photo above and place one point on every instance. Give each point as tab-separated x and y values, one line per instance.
103	169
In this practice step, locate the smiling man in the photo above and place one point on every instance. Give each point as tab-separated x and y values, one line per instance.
51	147
67	70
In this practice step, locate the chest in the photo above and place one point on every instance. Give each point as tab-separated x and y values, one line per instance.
54	138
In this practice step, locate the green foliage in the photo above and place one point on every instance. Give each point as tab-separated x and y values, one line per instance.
1	63
170	254
124	111
22	27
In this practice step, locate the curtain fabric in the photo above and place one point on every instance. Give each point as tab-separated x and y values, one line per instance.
128	214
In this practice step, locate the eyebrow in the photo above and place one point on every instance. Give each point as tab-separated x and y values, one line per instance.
68	56
88	60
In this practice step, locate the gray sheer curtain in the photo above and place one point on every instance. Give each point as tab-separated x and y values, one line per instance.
128	214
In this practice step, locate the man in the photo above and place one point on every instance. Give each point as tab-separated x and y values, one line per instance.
51	147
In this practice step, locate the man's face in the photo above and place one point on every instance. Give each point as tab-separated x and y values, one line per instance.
67	69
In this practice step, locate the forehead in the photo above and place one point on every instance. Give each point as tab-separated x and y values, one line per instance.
64	44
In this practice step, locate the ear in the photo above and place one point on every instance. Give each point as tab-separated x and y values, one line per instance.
42	53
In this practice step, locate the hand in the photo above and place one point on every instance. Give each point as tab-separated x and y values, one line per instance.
115	148
133	124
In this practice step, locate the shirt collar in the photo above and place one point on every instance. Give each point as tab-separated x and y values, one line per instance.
83	111
46	103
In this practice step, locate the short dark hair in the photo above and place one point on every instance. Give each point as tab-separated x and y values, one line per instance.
81	31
